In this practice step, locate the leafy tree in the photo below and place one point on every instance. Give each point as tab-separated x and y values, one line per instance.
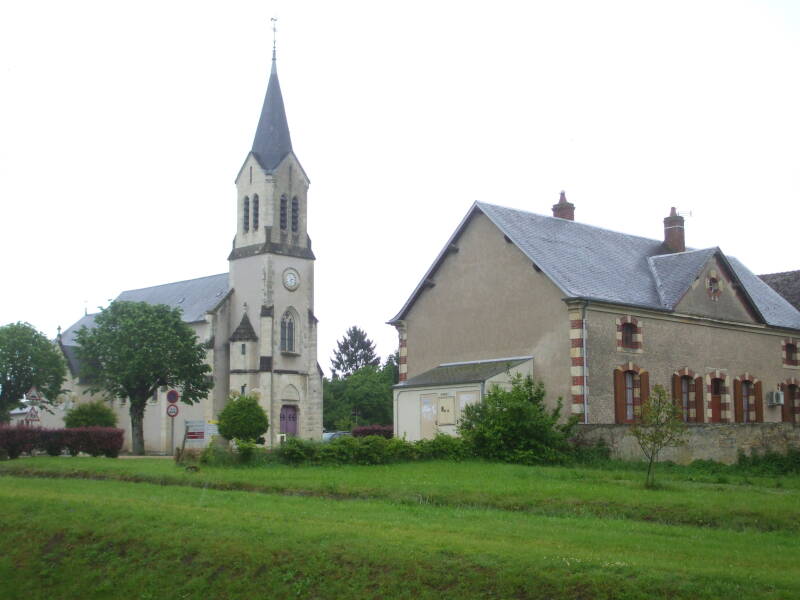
355	350
660	426
134	349
27	359
516	426
90	414
243	419
363	398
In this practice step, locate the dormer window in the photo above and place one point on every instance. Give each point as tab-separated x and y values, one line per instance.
295	214
255	212
246	215
283	212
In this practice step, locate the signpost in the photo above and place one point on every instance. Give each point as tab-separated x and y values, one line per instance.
172	411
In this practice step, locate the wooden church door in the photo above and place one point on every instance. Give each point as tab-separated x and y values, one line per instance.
289	419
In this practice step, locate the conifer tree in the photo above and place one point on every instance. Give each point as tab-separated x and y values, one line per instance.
354	350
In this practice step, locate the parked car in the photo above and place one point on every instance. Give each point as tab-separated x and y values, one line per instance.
327	436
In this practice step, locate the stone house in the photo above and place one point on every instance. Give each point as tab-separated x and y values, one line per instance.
603	316
257	320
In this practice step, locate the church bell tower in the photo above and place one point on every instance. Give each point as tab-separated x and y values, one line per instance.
273	347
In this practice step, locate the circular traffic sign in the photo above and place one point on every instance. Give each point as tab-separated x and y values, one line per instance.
172	410
172	396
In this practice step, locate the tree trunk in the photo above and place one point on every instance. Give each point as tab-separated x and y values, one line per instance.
137	426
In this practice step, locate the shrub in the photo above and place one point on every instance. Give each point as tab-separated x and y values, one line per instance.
295	451
51	441
243	419
515	425
386	431
16	440
443	447
91	414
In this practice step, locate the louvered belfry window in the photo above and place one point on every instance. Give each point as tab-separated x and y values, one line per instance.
246	215
287	333
255	212
283	213
295	215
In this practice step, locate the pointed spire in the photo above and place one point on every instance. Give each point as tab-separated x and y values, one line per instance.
272	141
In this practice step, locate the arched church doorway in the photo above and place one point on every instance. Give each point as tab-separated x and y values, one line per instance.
289	420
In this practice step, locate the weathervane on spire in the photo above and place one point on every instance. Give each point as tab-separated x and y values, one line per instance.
274	21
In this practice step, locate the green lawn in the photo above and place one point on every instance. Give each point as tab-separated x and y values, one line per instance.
742	503
93	538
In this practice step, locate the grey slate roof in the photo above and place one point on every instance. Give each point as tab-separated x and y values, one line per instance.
466	372
244	332
599	264
272	141
195	297
787	284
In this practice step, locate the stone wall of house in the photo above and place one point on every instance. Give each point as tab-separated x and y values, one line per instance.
710	441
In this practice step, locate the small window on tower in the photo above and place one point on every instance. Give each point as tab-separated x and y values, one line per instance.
255	212
246	215
295	214
283	213
244	349
251	173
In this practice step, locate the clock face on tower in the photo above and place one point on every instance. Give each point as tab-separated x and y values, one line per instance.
291	280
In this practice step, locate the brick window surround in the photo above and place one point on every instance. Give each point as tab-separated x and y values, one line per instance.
790	411
692	406
631	389
629	334
718	403
748	403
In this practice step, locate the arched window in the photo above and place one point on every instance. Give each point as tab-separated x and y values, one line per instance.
287	333
255	212
246	215
295	214
628	330
283	213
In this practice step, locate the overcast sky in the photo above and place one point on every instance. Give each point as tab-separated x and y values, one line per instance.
123	125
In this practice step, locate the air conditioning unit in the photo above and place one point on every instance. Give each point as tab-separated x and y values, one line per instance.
281	438
775	398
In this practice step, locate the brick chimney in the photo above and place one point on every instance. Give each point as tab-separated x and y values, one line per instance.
674	232
564	209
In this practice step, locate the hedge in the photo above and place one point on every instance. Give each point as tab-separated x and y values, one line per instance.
386	431
97	441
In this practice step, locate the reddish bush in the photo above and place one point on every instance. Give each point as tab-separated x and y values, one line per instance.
16	440
97	441
386	431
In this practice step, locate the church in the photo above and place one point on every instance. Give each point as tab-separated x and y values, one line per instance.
600	317
257	320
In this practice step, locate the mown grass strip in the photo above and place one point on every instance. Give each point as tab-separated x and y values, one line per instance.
536	490
99	539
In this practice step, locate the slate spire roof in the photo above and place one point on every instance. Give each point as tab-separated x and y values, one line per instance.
272	141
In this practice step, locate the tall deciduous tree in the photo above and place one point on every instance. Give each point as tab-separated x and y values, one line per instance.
134	349
354	350
27	359
659	426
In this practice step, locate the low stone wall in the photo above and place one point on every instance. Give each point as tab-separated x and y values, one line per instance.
710	441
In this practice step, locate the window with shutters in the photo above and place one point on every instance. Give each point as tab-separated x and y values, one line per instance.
748	406
631	388
687	392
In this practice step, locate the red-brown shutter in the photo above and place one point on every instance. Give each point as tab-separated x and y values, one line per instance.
699	405
737	401
644	384
619	396
787	408
676	390
759	403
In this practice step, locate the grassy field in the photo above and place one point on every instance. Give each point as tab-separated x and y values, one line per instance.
101	528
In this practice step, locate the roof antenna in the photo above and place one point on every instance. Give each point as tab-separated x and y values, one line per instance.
274	21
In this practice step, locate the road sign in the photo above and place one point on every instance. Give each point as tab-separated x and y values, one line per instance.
172	410
172	397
